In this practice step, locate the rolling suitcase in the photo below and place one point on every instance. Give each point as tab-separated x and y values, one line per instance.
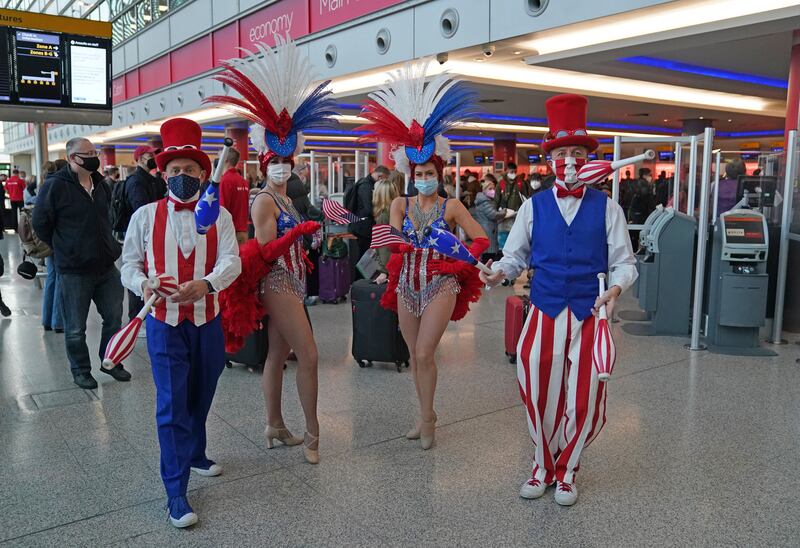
517	308
254	352
334	279
376	332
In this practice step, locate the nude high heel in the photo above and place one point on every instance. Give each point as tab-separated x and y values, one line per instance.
413	434
281	434
312	455
427	433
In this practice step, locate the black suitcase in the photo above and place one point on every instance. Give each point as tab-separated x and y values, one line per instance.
254	352
376	333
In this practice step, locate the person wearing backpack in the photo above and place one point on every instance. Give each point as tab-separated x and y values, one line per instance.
358	199
140	188
72	217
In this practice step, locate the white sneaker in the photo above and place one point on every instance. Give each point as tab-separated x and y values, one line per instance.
566	493
210	472
532	489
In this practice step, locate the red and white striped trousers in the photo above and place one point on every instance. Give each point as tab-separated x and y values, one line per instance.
564	401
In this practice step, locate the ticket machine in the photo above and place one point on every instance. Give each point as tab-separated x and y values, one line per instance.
738	280
665	270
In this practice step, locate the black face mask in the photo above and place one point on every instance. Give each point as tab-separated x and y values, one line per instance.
151	164
89	163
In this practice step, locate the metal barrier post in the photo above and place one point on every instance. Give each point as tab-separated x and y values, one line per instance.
716	186
357	170
331	180
676	180
617	155
312	165
692	179
458	176
702	236
783	253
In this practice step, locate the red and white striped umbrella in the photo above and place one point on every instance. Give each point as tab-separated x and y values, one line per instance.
604	352
121	344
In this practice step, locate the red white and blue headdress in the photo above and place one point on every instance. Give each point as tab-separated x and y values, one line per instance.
278	95
413	116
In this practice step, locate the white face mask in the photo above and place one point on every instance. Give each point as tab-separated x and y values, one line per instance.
511	175
279	173
565	169
536	184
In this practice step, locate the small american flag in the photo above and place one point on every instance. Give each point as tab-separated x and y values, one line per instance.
337	213
383	235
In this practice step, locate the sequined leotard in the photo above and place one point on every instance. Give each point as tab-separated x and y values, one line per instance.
288	272
416	288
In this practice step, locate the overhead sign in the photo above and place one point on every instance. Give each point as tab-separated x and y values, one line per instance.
54	69
288	16
329	13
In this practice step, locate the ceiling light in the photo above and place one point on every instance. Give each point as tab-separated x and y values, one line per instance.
729	120
666	120
518	52
650	21
701	117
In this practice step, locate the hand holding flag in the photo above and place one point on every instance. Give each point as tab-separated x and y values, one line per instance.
337	213
206	212
446	243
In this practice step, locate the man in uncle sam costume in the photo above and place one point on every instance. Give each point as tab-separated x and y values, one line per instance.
184	333
568	235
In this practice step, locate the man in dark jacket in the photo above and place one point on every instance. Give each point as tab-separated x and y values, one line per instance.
72	217
142	188
363	210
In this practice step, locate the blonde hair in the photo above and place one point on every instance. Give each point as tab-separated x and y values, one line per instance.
382	197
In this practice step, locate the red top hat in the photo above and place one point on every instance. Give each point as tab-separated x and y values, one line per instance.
566	115
182	139
141	150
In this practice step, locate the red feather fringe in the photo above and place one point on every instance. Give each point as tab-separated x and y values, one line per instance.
384	127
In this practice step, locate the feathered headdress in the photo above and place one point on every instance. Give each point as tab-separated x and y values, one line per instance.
278	95
413	116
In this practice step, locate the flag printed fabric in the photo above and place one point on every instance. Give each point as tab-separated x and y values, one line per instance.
383	235
337	213
446	243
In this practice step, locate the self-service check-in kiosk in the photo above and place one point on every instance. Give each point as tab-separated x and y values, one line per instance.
665	270
737	292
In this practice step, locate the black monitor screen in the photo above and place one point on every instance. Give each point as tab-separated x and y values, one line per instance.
479	159
534	158
666	156
608	156
593	156
744	229
762	186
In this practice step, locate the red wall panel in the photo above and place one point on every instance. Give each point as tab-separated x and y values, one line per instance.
278	18
328	13
132	84
154	74
225	42
118	90
191	59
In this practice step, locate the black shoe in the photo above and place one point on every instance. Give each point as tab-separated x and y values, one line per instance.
85	381
59	329
4	310
118	373
47	328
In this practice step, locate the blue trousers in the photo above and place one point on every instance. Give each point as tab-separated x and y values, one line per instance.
187	361
51	303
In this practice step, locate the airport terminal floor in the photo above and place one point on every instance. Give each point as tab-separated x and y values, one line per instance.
699	449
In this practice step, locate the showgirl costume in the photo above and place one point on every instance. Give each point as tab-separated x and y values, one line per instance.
417	273
279	97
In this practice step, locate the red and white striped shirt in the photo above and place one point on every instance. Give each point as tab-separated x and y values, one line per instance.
155	244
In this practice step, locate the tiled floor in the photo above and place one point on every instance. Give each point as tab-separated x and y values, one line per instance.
699	449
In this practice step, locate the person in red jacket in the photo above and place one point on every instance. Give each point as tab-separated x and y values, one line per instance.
15	186
234	195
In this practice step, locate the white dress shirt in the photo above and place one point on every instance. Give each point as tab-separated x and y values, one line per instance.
183	227
621	261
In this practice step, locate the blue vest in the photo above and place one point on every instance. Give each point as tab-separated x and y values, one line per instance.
567	258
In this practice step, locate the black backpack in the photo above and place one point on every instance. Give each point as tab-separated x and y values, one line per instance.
351	196
120	208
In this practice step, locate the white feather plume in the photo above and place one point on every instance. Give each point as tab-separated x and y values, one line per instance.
405	94
257	138
284	74
401	161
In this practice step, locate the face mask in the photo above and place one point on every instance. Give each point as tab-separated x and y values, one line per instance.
536	184
279	173
511	175
566	169
489	192
151	164
90	163
183	186
426	187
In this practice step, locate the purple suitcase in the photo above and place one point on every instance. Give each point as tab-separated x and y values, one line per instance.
334	279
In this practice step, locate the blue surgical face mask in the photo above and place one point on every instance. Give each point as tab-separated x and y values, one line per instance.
426	187
183	186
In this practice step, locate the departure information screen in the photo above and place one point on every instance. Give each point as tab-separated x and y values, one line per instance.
52	69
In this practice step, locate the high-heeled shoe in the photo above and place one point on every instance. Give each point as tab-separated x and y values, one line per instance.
281	434
413	434
427	432
312	455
